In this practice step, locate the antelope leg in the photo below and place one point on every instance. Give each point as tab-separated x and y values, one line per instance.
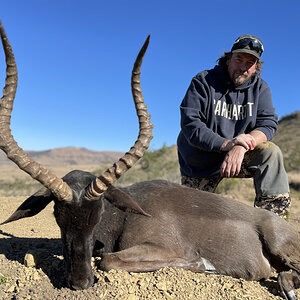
148	257
288	282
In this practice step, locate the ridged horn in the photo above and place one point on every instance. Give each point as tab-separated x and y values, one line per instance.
7	143
107	178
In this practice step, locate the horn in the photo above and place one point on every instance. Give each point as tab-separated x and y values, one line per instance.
107	178
7	143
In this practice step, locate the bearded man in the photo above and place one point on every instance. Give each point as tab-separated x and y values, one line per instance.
227	123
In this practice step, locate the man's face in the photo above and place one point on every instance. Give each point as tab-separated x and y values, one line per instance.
241	66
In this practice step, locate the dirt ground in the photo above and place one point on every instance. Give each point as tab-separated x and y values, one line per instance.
31	267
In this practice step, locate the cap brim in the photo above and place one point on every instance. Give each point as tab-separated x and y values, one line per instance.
254	53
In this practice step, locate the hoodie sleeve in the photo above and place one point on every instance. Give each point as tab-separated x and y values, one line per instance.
266	120
193	111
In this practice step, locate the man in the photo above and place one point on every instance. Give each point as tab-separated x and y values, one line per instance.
227	122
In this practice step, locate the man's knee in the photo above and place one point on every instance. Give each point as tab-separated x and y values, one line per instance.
267	152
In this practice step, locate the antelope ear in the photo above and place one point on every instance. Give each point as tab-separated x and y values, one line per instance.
32	205
123	201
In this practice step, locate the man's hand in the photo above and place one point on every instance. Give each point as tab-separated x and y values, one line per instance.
245	140
236	149
232	163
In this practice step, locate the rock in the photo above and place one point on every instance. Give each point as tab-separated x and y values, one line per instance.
162	286
36	276
132	297
30	260
19	283
11	289
131	289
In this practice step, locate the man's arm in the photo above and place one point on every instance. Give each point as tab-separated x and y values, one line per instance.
248	141
266	125
237	148
259	136
194	115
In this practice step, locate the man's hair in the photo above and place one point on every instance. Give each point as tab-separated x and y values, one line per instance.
223	62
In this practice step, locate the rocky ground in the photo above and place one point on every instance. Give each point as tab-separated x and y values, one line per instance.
31	267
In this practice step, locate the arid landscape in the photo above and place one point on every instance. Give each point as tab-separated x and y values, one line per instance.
31	262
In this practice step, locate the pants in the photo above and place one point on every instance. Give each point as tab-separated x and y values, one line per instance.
265	165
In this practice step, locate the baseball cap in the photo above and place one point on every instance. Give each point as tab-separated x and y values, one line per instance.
248	44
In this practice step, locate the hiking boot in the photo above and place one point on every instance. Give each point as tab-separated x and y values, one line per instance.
278	204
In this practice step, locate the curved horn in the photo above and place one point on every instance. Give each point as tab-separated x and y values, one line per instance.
107	178
7	143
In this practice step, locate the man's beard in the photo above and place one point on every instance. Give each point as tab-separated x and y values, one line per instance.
241	78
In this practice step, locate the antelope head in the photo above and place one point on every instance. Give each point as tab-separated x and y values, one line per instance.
78	195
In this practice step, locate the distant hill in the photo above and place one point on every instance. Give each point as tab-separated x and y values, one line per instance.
288	139
69	156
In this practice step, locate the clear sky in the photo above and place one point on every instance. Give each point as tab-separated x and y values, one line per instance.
75	59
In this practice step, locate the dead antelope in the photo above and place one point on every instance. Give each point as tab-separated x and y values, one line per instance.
172	225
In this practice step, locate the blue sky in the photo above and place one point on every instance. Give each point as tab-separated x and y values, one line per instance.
75	59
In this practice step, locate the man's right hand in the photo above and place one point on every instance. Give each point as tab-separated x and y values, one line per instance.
232	163
245	140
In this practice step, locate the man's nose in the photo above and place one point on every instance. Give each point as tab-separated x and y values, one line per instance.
244	67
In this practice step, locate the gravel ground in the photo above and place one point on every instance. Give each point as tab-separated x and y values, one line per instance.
31	267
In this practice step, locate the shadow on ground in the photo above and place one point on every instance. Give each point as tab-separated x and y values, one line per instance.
47	254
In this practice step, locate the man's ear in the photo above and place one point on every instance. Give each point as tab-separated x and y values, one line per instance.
228	60
123	201
32	205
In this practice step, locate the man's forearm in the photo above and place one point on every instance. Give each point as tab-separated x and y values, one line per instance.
248	141
245	140
259	137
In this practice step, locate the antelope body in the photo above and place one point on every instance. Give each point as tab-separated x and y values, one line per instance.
150	224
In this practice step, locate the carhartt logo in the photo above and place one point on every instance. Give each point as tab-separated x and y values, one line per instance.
233	111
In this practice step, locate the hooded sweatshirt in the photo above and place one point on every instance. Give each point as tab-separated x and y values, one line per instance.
214	110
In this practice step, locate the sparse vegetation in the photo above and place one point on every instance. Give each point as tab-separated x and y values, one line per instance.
158	164
18	187
288	139
4	278
227	185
